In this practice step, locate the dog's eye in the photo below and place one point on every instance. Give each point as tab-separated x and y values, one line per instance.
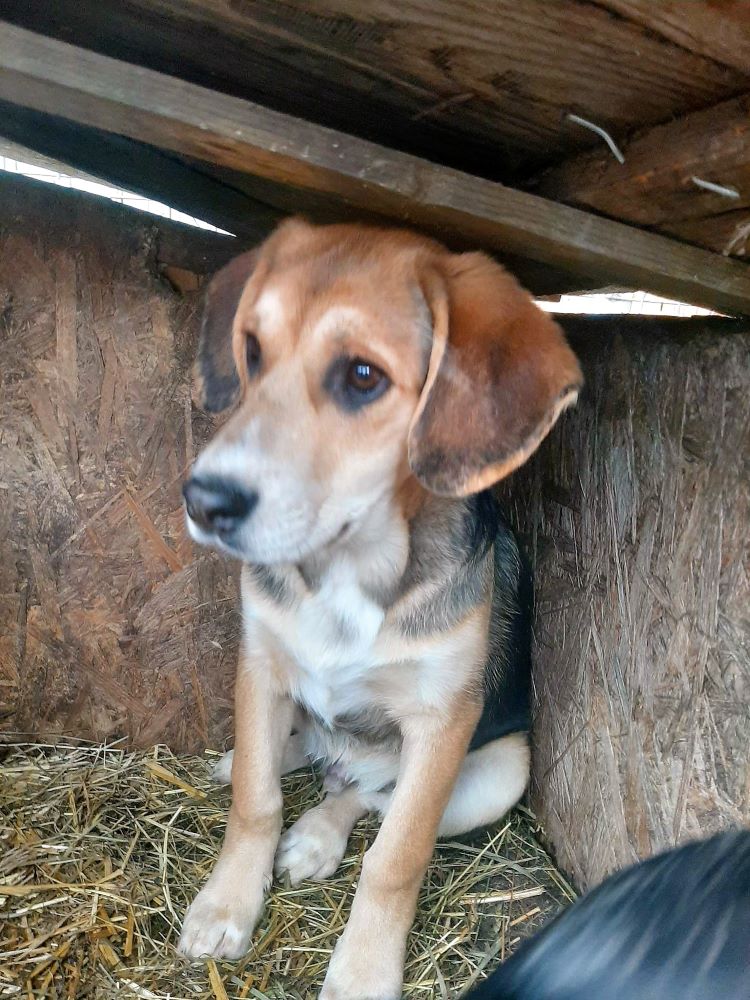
355	382
252	353
363	377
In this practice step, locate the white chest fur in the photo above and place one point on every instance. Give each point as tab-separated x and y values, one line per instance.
331	637
346	661
334	644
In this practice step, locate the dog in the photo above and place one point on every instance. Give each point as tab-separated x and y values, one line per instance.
674	927
378	386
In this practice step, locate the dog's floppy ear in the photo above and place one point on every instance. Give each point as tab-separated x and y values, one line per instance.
500	374
216	383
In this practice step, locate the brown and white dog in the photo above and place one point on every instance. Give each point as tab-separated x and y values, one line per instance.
380	385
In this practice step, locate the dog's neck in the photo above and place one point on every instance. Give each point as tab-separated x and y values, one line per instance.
375	551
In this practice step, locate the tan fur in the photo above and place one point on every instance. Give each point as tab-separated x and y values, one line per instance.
500	374
368	959
348	553
221	919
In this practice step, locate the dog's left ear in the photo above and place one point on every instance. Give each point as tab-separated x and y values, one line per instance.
216	384
500	374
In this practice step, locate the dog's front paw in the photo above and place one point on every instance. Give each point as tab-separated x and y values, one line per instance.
313	847
217	925
362	973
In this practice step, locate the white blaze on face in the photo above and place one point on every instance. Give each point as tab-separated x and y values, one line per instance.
336	320
270	310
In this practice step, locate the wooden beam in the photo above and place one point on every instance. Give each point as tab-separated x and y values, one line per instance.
94	90
719	31
655	186
140	168
324	208
482	86
247	205
728	233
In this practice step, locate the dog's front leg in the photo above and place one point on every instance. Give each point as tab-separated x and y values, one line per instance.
223	915
368	961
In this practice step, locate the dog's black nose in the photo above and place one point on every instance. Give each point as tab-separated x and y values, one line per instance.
217	505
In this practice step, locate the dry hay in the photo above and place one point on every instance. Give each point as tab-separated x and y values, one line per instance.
102	849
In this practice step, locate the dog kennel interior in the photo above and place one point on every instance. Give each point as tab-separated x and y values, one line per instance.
589	146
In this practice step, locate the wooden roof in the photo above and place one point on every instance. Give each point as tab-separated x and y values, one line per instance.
462	109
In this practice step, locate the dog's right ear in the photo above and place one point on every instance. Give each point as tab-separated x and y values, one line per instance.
500	375
216	383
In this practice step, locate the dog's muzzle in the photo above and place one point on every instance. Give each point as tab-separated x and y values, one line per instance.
217	506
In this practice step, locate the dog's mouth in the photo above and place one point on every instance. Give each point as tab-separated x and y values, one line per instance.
234	543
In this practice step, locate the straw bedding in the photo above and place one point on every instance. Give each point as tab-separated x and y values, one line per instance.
102	849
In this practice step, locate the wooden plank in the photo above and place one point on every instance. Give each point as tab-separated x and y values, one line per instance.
171	244
654	186
95	90
137	167
194	250
728	233
201	251
482	86
326	208
719	31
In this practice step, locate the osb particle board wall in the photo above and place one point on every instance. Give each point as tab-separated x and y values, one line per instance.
111	622
637	512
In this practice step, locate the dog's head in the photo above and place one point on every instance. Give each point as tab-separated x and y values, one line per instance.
355	358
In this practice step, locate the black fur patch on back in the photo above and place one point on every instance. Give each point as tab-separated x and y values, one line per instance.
449	545
454	546
468	547
483	519
507	679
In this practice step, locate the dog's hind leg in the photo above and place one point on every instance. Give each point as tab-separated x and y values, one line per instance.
315	845
294	758
491	780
